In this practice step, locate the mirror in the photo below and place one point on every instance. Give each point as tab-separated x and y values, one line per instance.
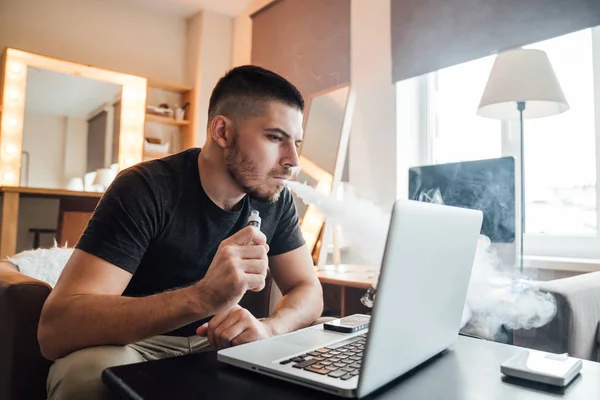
323	158
63	121
69	129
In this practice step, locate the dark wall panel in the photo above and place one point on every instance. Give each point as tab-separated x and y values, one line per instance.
306	41
431	34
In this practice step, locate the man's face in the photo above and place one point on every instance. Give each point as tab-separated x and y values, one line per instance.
263	151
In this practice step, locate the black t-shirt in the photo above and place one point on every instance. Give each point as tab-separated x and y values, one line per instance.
156	221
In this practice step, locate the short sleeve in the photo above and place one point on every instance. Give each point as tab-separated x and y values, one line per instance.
125	220
287	236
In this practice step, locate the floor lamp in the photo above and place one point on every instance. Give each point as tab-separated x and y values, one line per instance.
521	85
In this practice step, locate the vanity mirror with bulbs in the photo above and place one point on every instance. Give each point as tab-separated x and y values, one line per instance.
66	130
62	120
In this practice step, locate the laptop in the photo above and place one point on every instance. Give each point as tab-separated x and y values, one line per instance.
417	311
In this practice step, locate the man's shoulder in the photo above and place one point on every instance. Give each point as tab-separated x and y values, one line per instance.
163	169
174	162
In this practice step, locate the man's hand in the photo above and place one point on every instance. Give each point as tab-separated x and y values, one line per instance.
240	264
234	327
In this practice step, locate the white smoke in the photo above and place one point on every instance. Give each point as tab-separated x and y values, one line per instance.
497	296
364	224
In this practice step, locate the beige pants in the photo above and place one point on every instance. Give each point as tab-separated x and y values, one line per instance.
78	375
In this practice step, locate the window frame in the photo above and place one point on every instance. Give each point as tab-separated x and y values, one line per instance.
534	245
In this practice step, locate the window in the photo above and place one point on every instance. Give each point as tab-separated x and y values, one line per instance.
560	154
561	161
458	134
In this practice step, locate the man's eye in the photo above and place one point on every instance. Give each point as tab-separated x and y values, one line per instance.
275	138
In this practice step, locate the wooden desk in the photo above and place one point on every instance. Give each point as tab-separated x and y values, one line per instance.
70	201
351	281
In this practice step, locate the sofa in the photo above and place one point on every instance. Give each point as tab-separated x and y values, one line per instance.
575	329
23	369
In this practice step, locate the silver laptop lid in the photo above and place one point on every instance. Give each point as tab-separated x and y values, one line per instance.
422	289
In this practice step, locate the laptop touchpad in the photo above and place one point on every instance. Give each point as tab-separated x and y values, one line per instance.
311	337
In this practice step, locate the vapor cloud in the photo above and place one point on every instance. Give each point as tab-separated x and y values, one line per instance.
497	297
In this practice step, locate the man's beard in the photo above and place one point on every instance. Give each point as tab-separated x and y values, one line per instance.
244	171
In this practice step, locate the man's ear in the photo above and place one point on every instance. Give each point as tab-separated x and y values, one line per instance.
221	130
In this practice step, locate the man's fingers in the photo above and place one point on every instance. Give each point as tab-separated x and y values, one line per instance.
247	236
251	252
202	330
231	320
245	337
229	334
255	282
255	267
215	322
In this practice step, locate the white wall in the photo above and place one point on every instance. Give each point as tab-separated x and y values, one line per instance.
209	57
193	48
57	147
75	160
216	51
43	139
110	34
373	139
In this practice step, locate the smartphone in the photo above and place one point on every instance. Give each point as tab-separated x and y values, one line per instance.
349	324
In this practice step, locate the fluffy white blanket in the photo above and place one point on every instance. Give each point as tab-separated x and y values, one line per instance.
43	264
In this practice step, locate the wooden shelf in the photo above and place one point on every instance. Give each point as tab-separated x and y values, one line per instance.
165	120
26	190
154	154
168	86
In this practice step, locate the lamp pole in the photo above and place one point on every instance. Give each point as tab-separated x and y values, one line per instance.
521	108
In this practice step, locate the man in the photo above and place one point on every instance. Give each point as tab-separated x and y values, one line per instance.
168	246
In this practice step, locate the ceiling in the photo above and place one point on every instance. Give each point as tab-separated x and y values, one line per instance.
56	93
186	8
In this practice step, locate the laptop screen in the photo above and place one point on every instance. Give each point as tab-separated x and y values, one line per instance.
486	185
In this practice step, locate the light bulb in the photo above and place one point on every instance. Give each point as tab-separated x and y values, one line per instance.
130	93
130	138
128	162
131	114
10	149
16	68
12	122
9	176
13	95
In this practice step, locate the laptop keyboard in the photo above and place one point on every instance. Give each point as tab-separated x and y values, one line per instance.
335	361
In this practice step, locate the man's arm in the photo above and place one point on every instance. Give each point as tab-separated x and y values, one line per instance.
302	301
86	307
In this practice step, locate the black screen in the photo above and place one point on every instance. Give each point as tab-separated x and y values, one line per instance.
486	185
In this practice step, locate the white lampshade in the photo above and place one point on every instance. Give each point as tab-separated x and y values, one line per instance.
522	75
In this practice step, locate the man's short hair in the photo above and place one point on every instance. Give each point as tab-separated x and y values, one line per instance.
244	91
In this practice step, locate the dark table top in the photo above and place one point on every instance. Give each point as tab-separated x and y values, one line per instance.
470	369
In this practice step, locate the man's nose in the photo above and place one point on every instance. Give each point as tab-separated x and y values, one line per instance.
291	159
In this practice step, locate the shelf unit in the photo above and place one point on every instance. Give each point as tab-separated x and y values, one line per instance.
155	154
165	120
186	129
